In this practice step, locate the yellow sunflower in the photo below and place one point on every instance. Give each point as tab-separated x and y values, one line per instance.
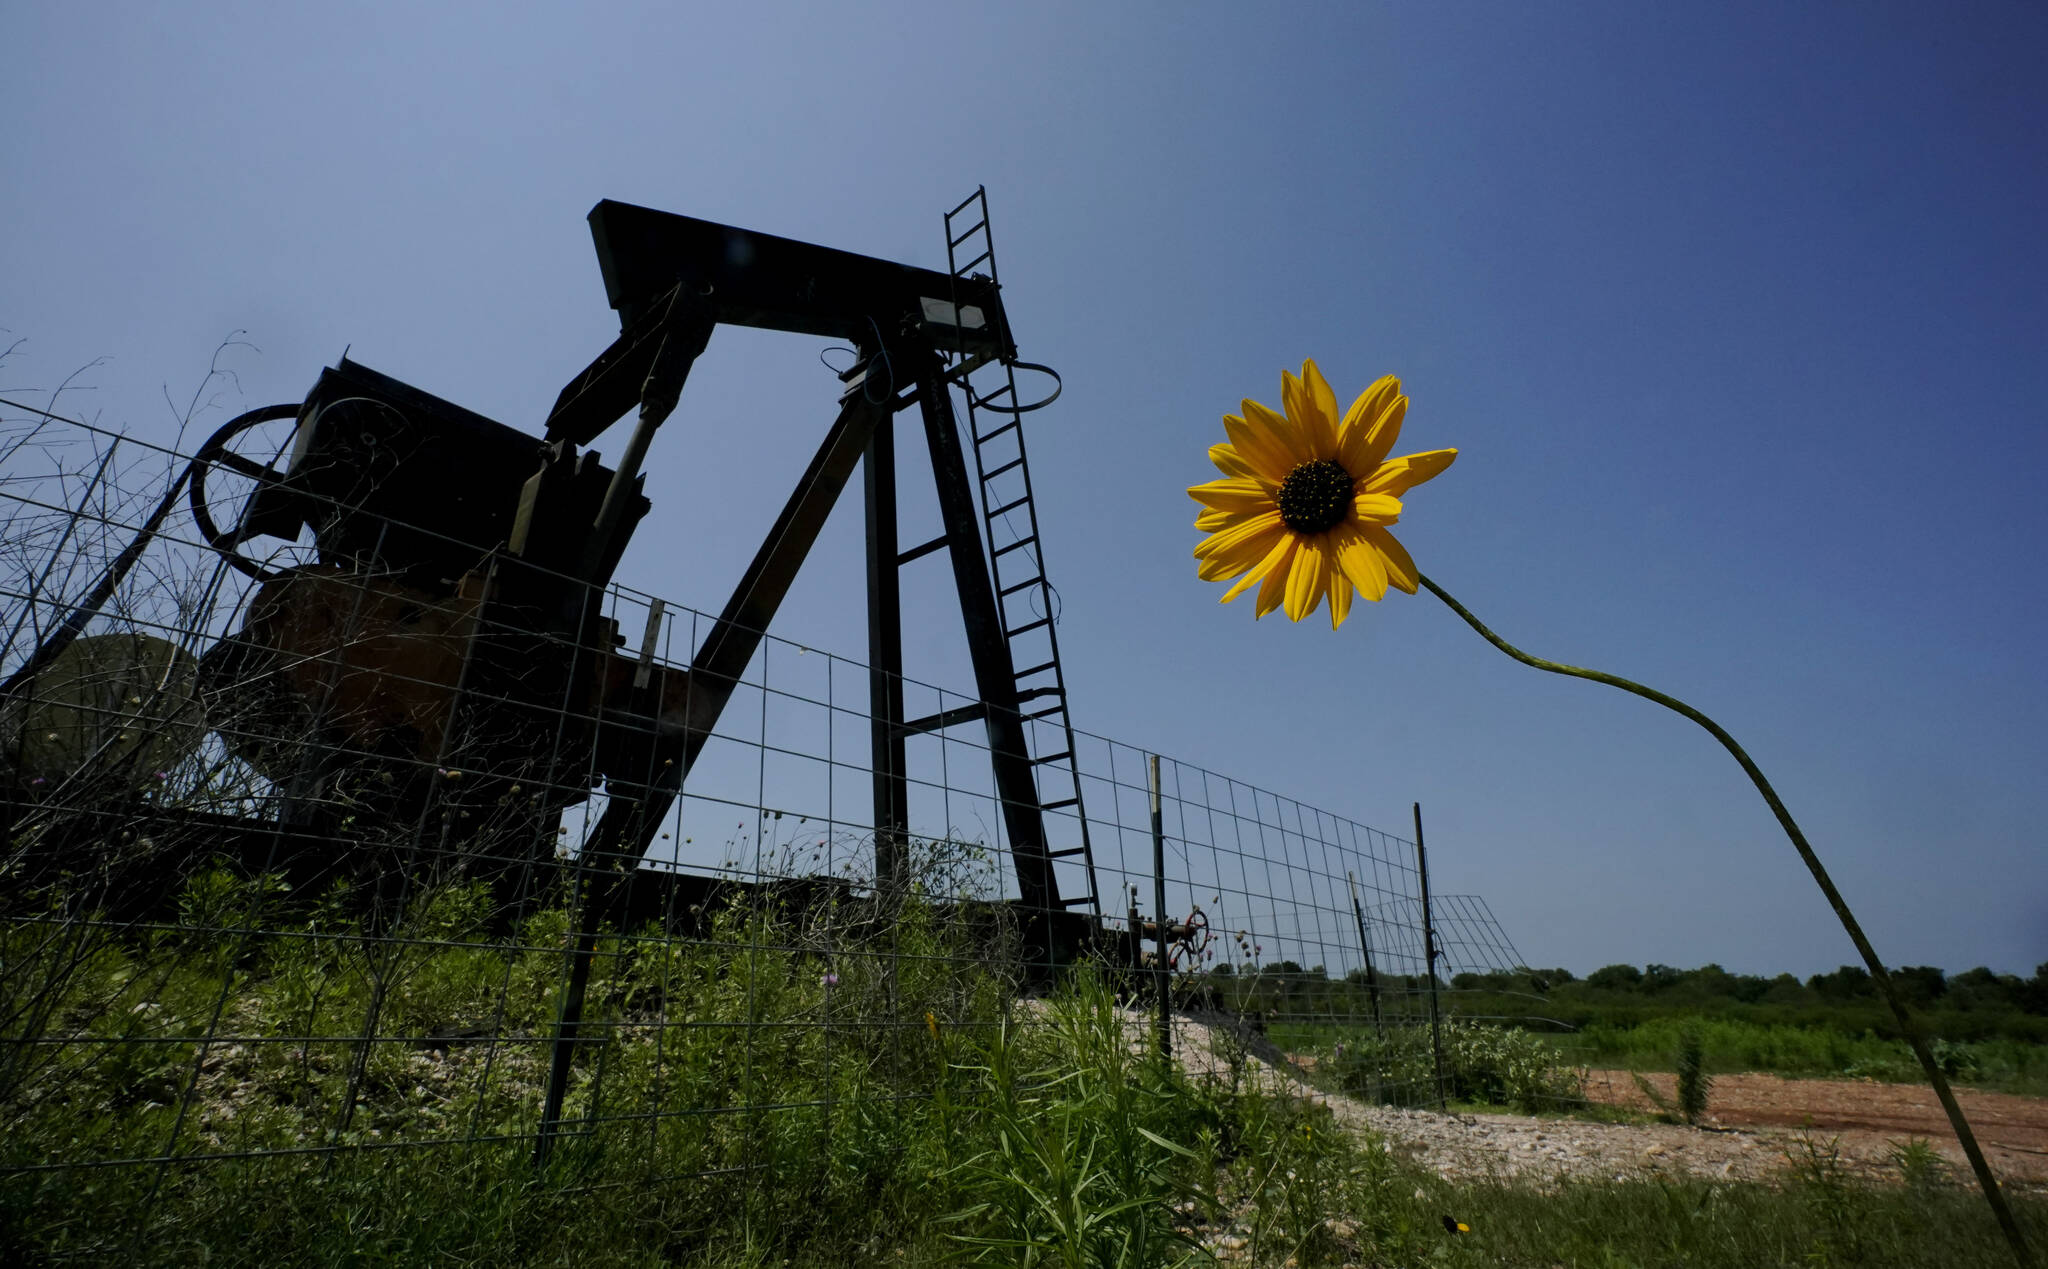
1307	498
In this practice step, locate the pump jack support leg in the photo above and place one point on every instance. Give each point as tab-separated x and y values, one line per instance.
995	677
885	663
629	824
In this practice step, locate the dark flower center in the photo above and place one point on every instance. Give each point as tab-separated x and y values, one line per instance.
1315	497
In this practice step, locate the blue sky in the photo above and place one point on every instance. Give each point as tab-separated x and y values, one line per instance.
1739	316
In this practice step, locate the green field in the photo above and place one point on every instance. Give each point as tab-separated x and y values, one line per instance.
1987	1030
1998	1063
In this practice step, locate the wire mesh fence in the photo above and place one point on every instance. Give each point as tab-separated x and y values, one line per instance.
312	863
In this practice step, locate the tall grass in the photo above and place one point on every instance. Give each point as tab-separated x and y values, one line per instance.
236	1088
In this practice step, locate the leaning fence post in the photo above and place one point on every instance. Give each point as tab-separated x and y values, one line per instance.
1159	976
1372	980
1436	1028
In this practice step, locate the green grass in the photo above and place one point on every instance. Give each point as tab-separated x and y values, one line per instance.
1701	1225
824	1092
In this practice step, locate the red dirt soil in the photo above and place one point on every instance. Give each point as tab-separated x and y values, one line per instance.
1869	1117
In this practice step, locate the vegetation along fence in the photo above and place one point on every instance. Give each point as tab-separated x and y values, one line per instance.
314	867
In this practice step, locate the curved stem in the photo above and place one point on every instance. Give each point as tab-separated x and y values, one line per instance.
1878	974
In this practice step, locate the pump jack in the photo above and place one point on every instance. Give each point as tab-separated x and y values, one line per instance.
466	562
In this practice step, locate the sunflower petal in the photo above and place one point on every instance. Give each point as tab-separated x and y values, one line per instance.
1274	588
1361	442
1207	521
1340	600
1401	570
1231	463
1238	556
1371	450
1311	577
1376	508
1261	570
1317	430
1264	450
1223	540
1362	564
1398	475
1292	442
1239	493
1324	401
1370	404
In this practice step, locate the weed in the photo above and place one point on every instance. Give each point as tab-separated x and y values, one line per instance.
1920	1166
1823	1179
1693	1080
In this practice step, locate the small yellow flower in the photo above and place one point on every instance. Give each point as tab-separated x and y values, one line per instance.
1307	497
931	1024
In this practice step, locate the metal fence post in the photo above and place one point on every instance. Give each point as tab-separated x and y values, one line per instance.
1159	975
1436	1028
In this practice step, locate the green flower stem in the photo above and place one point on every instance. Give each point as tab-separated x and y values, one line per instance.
1878	974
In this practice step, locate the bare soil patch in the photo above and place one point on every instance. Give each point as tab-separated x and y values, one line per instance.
1869	1117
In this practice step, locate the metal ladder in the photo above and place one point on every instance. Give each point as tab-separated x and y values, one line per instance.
1024	599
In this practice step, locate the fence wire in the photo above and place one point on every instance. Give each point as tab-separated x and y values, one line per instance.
298	870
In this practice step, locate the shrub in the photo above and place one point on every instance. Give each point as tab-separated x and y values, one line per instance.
1495	1066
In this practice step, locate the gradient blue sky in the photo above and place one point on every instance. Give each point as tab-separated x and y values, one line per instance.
1737	313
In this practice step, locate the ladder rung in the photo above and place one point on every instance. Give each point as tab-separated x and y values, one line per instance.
1069	853
919	552
1040	668
991	475
1008	507
1011	590
1001	551
1061	756
1061	805
1077	902
1046	713
986	438
1035	693
1027	628
963	206
971	230
960	270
